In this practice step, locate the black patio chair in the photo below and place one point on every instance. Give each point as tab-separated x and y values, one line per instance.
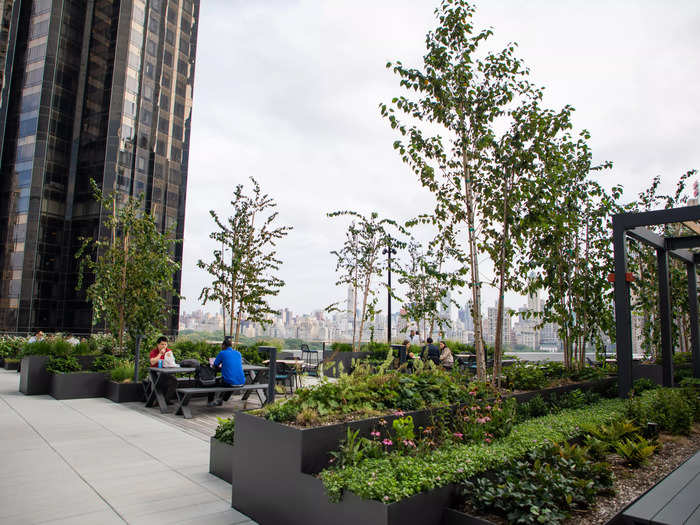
311	360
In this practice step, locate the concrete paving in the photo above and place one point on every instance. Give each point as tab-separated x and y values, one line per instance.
94	461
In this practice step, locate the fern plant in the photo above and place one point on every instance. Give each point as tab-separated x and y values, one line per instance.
636	451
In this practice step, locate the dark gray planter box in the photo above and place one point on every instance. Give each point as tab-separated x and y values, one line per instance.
78	385
653	372
11	365
220	459
34	379
600	386
273	458
2	362
124	392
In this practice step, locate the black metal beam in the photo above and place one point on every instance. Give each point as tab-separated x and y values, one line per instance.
677	243
651	218
623	318
660	243
665	316
693	314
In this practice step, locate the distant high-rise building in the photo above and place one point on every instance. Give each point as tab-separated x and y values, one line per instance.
90	91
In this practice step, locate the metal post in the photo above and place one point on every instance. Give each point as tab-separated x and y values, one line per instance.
623	320
137	358
272	374
388	251
693	314
665	316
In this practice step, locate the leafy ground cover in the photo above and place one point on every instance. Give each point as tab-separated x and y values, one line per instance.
396	476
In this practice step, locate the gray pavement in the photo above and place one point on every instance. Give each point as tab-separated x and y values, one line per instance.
94	461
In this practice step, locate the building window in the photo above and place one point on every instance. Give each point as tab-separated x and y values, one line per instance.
149	69
175	154
148	92
168	58
164	101
163	125
179	110
151	47
132	85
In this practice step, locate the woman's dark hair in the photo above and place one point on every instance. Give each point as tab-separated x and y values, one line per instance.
429	340
406	341
161	339
227	342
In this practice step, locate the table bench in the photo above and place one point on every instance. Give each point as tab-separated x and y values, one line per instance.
184	395
674	500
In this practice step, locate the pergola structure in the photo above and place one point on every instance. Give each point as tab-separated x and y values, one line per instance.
635	225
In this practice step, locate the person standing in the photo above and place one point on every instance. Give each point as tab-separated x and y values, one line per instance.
415	337
230	362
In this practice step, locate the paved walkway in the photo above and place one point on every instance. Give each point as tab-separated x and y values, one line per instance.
94	461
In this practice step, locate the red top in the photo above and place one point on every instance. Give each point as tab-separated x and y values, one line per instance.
155	352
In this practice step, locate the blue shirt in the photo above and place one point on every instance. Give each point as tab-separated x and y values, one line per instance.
231	366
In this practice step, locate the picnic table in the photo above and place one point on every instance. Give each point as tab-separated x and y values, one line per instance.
155	395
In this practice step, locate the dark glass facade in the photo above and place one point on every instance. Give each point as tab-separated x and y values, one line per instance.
92	90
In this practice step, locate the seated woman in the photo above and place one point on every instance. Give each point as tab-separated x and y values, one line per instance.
446	359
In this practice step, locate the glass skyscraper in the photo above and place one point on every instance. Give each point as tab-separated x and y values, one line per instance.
91	89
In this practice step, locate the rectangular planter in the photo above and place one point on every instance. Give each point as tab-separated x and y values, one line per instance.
124	392
220	459
653	372
34	379
2	362
78	385
274	458
11	365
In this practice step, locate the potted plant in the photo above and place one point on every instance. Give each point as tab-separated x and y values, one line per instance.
69	382
120	386
221	449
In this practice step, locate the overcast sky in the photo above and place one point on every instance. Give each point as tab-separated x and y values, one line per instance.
287	91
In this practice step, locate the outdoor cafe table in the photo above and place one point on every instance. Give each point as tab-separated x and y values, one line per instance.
155	374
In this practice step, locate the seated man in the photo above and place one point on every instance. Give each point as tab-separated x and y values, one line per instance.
431	352
168	383
231	363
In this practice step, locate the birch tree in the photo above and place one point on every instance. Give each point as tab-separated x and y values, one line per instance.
462	90
243	269
128	277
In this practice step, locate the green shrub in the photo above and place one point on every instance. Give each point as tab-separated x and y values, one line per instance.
377	351
396	477
62	365
226	430
642	384
104	363
122	371
587	373
525	376
667	407
341	347
554	370
544	487
535	407
11	347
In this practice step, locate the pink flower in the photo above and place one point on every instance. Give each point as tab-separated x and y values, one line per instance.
382	422
488	440
458	435
386	498
481	420
375	434
408	443
398	413
488	407
487	419
475	409
387	442
472	392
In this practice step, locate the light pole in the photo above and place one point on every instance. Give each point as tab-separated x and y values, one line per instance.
388	251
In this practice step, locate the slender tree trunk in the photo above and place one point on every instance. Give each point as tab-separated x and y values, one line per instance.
474	270
498	343
122	313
